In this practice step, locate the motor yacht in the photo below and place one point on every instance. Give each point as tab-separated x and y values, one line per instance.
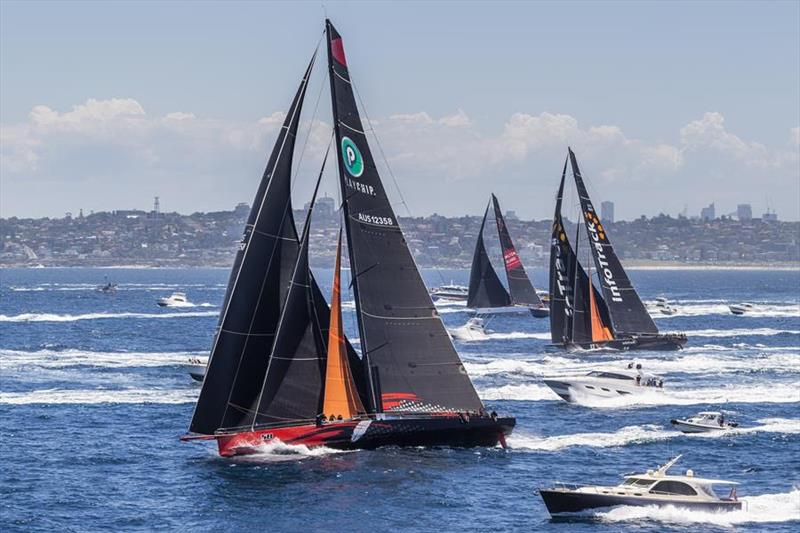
473	330
176	299
704	422
450	292
653	488
197	368
741	308
605	383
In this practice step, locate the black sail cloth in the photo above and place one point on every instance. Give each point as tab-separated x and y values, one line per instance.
485	288
403	339
627	312
256	291
519	284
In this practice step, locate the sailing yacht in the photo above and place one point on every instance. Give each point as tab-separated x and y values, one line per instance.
581	315
281	367
487	295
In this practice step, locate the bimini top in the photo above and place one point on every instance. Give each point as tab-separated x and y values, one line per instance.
661	474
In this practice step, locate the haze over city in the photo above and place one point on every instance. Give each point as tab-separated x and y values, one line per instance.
133	100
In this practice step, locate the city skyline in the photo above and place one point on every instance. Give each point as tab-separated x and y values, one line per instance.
118	109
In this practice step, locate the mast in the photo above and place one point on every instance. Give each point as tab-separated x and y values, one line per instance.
485	288
406	349
519	284
627	312
256	291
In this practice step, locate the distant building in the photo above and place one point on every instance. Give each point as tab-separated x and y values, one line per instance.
744	212
511	215
708	213
770	216
607	212
326	206
242	209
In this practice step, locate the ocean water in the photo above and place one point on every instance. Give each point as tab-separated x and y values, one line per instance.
94	395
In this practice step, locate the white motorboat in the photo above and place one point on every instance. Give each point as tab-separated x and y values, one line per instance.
176	299
450	292
663	306
741	308
704	422
473	330
653	488
667	310
605	383
197	368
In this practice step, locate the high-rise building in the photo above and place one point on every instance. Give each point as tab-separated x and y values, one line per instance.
744	212
511	215
607	212
770	216
708	213
326	206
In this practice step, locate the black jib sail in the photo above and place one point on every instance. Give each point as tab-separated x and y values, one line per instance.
406	350
294	384
627	312
519	284
485	288
256	291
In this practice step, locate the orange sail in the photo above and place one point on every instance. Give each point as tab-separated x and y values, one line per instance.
341	397
599	331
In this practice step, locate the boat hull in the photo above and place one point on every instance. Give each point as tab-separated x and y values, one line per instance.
685	426
573	390
665	343
367	434
197	372
540	312
569	501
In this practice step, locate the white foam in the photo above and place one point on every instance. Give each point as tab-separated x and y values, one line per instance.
52	317
783	507
740	332
622	437
712	307
767	393
278	451
73	357
99	396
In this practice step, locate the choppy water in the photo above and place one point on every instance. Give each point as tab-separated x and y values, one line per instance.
93	397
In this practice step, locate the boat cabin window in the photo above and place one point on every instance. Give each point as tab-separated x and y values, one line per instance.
638	482
608	375
674	487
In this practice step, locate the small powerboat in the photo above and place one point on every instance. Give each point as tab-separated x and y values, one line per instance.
197	368
605	383
176	299
662	305
450	292
657	488
473	330
704	422
741	308
107	288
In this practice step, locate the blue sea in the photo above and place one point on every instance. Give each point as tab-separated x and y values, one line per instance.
94	395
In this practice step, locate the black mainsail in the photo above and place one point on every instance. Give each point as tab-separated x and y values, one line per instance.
627	312
519	284
256	291
485	288
406	349
561	260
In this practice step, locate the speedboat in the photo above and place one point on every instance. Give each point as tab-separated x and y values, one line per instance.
176	299
704	422
653	488
605	383
741	308
450	292
662	305
107	288
473	330
197	368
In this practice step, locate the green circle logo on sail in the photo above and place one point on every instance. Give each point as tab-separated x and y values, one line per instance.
351	156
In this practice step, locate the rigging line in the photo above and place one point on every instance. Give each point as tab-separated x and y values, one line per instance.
303	239
244	256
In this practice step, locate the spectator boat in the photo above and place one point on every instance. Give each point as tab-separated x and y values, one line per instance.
704	422
604	384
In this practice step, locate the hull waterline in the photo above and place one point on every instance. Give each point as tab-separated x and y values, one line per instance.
425	430
663	343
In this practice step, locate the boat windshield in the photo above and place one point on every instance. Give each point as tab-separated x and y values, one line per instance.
673	487
637	482
608	375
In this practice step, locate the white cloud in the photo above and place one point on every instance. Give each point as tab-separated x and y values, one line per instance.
213	161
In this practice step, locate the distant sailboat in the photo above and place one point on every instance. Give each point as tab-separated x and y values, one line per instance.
487	295
281	367
581	316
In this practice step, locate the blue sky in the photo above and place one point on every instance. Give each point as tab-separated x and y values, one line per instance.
668	104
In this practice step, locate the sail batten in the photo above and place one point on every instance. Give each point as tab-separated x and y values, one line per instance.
627	312
400	330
